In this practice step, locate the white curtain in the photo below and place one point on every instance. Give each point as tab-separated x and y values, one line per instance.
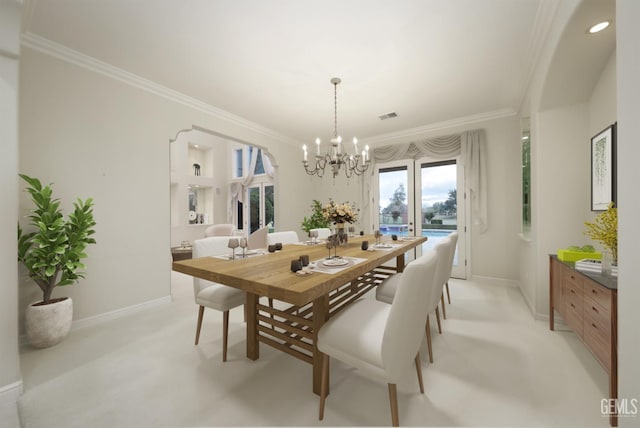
470	145
238	188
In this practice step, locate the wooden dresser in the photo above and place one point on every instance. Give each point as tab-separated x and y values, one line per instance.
588	303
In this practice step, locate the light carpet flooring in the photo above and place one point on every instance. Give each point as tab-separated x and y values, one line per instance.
494	366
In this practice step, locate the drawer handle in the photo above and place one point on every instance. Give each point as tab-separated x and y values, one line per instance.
594	309
573	291
594	291
594	326
572	305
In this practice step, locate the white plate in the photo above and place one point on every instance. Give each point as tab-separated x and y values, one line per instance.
384	246
335	262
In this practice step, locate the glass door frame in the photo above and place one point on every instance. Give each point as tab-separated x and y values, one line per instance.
414	181
260	185
460	270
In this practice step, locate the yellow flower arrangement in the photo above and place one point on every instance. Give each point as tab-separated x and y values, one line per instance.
605	229
340	213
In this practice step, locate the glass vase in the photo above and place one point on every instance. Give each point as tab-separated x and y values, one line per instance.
607	262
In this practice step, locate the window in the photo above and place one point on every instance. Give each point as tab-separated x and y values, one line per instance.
526	177
238	166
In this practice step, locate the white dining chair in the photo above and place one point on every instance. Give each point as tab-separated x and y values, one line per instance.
211	294
442	249
454	243
222	229
286	237
387	290
379	338
323	232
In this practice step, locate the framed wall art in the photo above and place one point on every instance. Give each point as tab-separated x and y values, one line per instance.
603	168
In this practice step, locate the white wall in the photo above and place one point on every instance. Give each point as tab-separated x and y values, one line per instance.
10	377
628	106
602	104
96	136
561	181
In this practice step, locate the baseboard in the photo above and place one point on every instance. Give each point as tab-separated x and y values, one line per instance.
493	280
10	393
110	316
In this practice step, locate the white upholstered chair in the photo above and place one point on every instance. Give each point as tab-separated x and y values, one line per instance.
379	338
213	295
222	229
454	243
386	291
287	237
258	239
323	232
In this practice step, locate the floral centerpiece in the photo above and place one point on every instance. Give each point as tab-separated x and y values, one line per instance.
340	213
605	230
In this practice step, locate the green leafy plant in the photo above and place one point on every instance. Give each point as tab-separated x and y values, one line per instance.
605	229
52	253
317	219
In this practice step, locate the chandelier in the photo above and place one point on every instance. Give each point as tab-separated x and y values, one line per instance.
337	157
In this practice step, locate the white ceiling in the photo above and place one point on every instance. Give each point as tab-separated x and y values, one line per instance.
270	62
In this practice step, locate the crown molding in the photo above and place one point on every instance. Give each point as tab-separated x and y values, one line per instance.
439	126
69	55
544	18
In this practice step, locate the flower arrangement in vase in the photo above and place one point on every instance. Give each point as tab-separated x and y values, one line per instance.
339	214
605	229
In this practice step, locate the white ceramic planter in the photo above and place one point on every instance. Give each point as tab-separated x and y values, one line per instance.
48	324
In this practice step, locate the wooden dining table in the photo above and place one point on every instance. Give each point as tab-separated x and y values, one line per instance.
306	302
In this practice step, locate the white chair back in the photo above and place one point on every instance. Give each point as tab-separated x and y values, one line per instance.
405	326
454	241
323	232
212	246
442	250
288	237
223	229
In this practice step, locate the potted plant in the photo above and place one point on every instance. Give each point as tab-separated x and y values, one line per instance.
317	219
52	253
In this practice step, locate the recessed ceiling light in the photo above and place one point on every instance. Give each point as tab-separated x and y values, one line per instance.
599	27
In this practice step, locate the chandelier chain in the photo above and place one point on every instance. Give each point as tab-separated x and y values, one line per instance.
335	110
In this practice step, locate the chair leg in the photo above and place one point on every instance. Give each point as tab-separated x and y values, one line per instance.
448	295
428	329
438	319
323	384
199	325
393	400
419	370
444	310
225	331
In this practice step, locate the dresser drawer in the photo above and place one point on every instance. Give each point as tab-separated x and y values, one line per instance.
574	318
573	298
599	295
596	324
571	278
599	345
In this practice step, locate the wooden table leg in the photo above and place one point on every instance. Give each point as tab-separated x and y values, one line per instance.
320	316
400	263
253	346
